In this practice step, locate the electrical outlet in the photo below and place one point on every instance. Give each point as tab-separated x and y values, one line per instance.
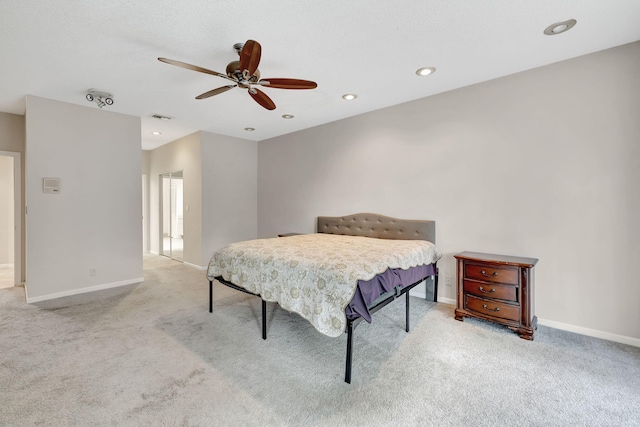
92	271
448	280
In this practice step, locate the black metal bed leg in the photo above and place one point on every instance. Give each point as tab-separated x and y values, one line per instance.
435	285
210	296
347	372
264	320
407	313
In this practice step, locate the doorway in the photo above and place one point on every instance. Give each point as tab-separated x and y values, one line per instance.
145	238
172	215
10	223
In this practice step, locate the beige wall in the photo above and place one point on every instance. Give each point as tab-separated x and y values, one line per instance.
544	164
146	162
146	183
229	191
11	132
180	155
95	221
12	139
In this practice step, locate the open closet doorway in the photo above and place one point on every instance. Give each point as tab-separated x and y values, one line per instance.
10	223
172	215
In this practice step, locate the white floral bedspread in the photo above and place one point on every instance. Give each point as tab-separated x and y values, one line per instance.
315	275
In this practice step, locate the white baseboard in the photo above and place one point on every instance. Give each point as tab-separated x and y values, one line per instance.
197	267
422	294
102	287
447	300
591	332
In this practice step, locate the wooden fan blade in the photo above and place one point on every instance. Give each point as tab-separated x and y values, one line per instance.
215	92
250	56
194	68
261	98
288	83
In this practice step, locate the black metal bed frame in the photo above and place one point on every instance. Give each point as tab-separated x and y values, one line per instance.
351	323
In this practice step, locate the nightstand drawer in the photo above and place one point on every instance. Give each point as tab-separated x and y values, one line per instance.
503	292
489	273
493	308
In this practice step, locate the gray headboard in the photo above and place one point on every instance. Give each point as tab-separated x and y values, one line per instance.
379	226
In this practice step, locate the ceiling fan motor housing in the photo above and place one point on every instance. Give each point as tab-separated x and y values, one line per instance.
233	70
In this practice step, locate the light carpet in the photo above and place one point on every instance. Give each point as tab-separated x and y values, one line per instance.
151	355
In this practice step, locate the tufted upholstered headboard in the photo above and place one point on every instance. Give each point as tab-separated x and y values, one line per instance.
379	226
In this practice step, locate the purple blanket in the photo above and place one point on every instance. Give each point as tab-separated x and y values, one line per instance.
368	290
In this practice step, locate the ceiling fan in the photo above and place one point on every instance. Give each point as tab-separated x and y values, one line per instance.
245	74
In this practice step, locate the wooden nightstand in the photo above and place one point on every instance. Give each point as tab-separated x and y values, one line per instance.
498	288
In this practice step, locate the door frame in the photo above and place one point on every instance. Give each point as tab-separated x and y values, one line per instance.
145	213
17	215
161	212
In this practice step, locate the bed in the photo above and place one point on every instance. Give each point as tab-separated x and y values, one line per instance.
352	267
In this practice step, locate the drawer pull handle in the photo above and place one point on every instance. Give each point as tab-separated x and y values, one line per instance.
484	273
488	309
486	292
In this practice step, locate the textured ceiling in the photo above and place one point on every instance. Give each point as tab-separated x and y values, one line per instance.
60	49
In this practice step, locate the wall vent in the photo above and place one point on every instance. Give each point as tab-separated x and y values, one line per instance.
159	117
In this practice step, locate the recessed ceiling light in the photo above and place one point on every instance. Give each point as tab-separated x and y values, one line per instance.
287	116
425	71
155	132
349	96
249	129
560	27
